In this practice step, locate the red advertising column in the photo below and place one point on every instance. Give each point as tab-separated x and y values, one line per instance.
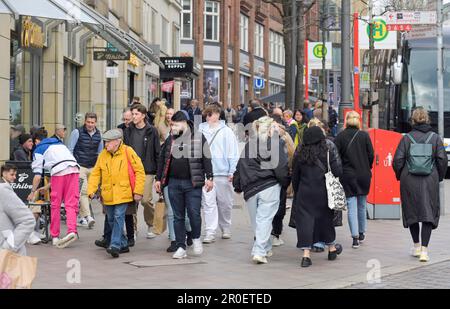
306	72
356	62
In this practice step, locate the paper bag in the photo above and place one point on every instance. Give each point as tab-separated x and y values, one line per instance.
160	218
16	271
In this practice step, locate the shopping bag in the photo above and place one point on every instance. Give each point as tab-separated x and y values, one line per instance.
160	217
16	271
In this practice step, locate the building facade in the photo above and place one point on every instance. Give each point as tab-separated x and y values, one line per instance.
56	78
234	42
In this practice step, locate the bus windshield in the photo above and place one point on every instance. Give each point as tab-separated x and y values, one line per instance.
419	87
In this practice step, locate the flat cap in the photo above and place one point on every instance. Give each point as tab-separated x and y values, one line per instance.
112	135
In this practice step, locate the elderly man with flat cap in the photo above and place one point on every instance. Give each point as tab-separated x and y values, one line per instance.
120	174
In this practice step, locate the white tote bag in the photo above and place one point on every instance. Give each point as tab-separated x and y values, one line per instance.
335	190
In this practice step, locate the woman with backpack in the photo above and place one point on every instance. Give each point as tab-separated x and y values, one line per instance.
356	151
420	163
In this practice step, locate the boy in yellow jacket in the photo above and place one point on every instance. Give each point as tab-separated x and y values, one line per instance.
111	174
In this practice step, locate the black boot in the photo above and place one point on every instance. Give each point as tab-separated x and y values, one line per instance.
173	247
102	243
113	251
306	262
189	239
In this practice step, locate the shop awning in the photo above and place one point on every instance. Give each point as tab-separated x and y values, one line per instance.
109	32
36	8
77	12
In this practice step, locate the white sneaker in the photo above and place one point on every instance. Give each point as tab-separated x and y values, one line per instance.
64	242
226	234
416	251
209	239
55	241
82	223
198	247
150	233
90	222
277	241
424	256
179	254
259	259
34	239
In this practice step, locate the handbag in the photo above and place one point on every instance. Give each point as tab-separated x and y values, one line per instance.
335	190
16	271
160	217
131	173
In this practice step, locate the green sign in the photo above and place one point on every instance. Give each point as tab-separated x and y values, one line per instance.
320	51
380	31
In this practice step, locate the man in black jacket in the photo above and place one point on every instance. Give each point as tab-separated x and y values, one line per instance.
257	112
144	139
183	166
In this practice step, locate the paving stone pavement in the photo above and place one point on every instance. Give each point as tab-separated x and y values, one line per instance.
436	276
227	263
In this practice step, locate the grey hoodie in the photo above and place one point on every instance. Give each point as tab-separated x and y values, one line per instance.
16	221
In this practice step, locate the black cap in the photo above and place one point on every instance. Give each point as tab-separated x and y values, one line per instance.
313	136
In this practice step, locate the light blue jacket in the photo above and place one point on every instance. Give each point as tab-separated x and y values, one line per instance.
224	148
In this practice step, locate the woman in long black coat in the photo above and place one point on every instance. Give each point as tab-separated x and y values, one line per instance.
313	217
356	151
420	194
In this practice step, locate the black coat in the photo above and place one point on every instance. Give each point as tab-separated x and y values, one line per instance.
356	162
257	173
420	194
151	145
313	217
22	155
254	115
200	165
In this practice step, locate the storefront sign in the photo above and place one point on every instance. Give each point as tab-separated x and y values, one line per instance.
134	61
111	55
31	34
176	67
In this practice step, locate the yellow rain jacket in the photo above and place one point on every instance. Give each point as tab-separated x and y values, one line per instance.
111	173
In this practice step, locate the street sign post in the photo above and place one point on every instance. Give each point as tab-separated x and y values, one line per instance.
316	52
259	83
412	18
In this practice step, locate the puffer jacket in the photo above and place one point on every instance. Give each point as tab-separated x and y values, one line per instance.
111	173
200	165
255	173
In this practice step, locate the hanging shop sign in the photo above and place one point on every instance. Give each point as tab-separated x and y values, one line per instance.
168	86
134	61
177	67
111	55
31	34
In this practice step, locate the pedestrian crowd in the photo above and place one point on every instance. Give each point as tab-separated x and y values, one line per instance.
194	160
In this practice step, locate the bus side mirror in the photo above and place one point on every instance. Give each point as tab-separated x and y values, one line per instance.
397	71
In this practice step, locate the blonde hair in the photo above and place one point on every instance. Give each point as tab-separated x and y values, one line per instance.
315	122
288	112
420	116
353	119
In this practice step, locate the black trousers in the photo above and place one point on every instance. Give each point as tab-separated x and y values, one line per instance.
129	225
277	222
427	227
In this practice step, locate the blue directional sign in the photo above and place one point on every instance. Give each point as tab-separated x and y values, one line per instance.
259	83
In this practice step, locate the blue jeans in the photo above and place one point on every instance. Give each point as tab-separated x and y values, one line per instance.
262	209
171	217
116	221
185	198
357	215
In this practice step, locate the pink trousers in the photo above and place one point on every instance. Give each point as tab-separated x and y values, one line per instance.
64	189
